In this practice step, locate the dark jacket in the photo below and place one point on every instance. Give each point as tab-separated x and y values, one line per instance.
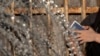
93	20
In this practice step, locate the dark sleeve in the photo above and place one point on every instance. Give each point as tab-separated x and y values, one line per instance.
89	20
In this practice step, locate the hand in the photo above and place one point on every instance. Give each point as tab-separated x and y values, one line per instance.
88	35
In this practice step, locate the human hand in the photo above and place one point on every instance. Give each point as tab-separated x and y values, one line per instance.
87	35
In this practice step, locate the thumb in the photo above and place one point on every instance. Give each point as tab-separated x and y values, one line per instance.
86	27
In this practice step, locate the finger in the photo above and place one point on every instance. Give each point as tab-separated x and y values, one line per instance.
81	42
78	31
78	35
86	27
79	39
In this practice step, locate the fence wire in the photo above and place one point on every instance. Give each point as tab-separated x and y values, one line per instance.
17	38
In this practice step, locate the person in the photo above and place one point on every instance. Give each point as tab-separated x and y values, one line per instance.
91	34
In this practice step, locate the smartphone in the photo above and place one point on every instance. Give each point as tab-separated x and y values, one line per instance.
76	26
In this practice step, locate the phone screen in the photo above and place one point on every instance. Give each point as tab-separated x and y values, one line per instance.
76	26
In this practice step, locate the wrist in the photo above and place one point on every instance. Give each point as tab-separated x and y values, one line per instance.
97	38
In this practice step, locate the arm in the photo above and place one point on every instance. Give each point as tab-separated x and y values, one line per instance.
88	35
